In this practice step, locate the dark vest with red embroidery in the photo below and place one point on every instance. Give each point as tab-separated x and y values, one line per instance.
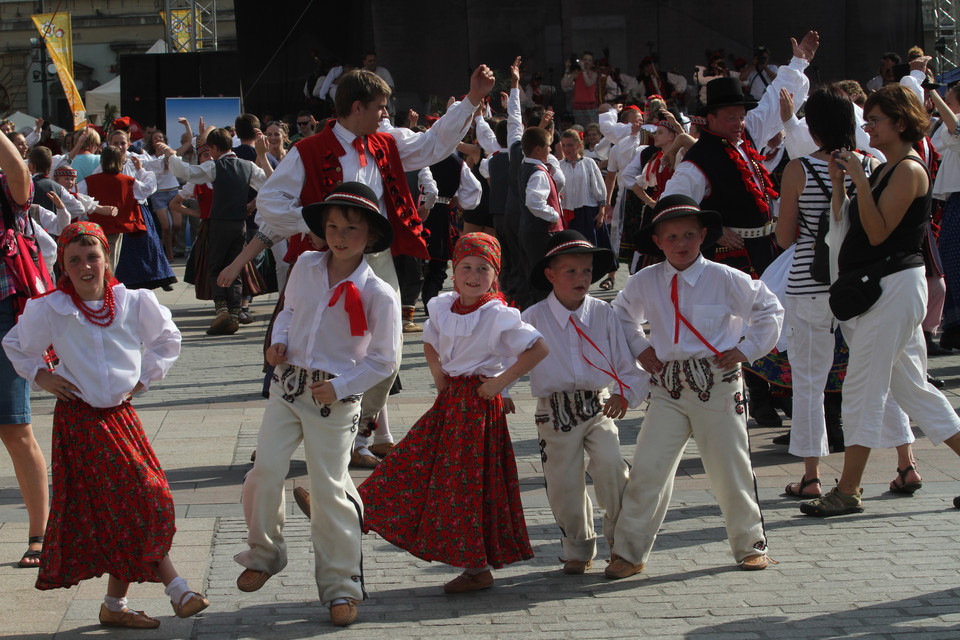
320	154
728	193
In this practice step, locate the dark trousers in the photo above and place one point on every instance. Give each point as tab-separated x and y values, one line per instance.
507	227
434	275
410	277
224	243
533	245
584	221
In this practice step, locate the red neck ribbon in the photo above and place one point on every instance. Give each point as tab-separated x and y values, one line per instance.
352	305
678	318
612	372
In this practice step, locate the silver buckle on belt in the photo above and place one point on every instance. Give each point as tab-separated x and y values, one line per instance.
756	232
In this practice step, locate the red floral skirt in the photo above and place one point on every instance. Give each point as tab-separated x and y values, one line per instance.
111	509
449	491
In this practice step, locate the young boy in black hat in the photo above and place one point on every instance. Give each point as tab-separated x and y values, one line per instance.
337	336
575	412
697	310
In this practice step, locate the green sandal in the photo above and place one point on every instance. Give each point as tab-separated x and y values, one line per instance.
833	503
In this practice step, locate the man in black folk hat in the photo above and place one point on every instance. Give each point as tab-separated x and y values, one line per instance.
723	172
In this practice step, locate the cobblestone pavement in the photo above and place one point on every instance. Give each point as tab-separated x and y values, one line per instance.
891	572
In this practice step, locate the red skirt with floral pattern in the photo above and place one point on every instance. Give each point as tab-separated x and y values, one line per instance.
449	490
111	509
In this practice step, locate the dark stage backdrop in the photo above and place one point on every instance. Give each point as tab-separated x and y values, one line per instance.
430	47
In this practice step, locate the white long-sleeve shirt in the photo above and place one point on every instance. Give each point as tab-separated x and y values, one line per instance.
720	302
278	200
483	342
207	171
468	194
165	178
144	184
584	186
565	367
317	336
538	191
104	363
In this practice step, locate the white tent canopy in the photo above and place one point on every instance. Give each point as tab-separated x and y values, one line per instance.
25	122
96	100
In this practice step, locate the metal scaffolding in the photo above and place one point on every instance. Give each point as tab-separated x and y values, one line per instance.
192	25
941	15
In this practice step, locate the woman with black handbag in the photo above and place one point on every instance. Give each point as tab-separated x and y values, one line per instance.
880	297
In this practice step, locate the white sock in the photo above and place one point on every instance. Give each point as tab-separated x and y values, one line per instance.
473	572
382	434
115	604
363	451
176	589
336	601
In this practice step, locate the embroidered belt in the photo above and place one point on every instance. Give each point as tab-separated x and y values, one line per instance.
442	200
755	232
698	375
567	409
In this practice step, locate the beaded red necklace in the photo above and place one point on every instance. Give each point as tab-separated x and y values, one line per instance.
102	317
461	309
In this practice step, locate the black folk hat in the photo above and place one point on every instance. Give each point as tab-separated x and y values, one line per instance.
567	242
356	195
727	92
670	208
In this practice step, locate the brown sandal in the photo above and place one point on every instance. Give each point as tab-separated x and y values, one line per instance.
900	484
800	486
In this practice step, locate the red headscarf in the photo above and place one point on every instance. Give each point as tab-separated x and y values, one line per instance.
486	247
71	233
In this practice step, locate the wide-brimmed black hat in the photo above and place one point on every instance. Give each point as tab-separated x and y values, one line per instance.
678	206
570	241
727	92
356	195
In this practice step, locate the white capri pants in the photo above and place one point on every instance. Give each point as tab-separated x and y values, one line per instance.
888	355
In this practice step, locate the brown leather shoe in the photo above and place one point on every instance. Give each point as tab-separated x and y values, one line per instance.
251	580
363	461
466	582
381	450
127	618
576	567
344	613
191	603
755	563
620	568
223	325
302	497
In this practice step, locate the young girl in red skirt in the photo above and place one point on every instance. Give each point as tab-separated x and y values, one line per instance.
449	491
112	511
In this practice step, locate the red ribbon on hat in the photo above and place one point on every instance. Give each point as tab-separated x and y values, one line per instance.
352	305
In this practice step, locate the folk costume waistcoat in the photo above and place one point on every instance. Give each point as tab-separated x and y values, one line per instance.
737	196
320	154
528	221
115	190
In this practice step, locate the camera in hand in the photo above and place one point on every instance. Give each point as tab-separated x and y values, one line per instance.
574	62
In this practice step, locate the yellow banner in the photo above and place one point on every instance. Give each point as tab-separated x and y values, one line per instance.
181	28
58	35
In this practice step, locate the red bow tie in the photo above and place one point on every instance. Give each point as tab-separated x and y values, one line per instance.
352	305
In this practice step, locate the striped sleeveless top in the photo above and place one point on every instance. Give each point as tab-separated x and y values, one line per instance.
813	201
